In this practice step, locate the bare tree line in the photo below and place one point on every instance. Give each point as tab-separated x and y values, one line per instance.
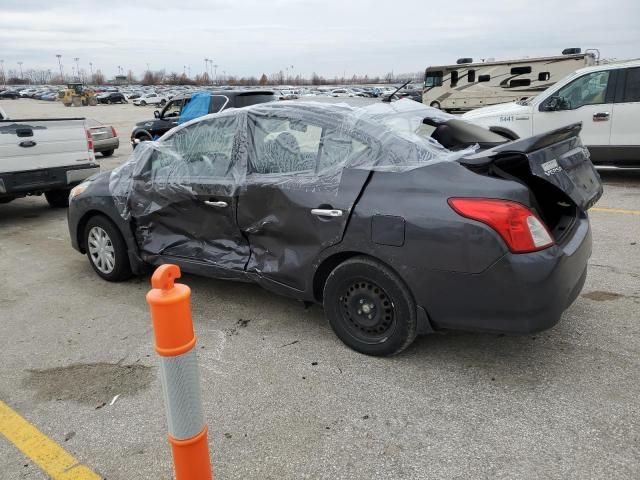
161	77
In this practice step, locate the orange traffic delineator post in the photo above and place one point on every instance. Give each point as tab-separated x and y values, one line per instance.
175	342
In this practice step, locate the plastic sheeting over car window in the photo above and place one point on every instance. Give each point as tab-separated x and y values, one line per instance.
294	145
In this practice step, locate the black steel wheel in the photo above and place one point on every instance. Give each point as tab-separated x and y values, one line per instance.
369	307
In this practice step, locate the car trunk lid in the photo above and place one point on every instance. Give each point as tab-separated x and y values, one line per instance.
555	158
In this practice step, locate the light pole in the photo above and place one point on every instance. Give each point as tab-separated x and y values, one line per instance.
21	77
4	79
204	77
215	74
60	64
77	67
91	68
293	75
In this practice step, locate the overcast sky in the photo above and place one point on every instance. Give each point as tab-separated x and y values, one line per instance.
330	37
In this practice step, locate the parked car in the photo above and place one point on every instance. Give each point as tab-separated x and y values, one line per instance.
12	94
605	98
342	92
394	234
112	97
150	99
44	157
168	118
27	92
105	137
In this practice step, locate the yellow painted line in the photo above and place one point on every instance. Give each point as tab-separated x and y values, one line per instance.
615	210
43	451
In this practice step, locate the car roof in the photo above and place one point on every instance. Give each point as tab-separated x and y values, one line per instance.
609	66
226	93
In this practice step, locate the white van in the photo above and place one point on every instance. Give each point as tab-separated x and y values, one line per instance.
605	98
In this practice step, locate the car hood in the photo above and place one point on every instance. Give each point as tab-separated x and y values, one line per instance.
511	108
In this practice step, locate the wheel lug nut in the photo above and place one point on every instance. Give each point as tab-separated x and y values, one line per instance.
359	312
361	301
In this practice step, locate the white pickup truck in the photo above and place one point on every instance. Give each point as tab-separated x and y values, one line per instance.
44	156
605	98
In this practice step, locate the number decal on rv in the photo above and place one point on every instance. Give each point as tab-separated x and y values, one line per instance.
506	118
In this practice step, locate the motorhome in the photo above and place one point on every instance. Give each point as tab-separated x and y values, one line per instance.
468	85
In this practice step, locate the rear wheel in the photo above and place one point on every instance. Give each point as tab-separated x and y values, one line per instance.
107	153
58	198
143	103
106	249
162	103
435	105
369	307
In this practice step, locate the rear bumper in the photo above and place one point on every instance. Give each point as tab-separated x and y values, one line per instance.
519	294
106	144
35	181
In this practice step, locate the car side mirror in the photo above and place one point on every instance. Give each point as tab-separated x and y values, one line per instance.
156	113
554	104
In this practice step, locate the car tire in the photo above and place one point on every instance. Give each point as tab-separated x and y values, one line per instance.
435	105
6	199
163	103
107	153
58	198
143	103
103	241
369	307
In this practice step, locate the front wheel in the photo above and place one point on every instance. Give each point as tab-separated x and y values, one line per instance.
435	105
143	103
369	307
163	103
106	249
58	198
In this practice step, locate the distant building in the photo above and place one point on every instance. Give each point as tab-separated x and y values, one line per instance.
120	80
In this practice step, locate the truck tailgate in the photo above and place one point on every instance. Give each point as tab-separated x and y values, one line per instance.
42	144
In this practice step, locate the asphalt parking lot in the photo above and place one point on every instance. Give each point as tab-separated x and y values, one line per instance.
284	398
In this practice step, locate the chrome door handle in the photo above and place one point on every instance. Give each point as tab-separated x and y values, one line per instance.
216	204
601	117
325	212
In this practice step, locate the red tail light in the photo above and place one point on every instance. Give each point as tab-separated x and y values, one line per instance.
113	131
89	141
518	226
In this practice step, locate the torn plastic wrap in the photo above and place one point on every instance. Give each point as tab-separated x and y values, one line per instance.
208	157
294	149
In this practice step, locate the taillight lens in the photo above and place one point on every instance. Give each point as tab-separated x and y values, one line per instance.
518	226
113	131
89	140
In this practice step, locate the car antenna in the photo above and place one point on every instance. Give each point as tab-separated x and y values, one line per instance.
388	98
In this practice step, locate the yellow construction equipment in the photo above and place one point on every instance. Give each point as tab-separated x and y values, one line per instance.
77	94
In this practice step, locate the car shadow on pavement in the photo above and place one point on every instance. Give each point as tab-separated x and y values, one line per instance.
24	211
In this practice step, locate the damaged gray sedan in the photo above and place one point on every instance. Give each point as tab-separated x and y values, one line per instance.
398	218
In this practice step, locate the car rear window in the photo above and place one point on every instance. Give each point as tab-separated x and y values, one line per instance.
632	88
251	99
